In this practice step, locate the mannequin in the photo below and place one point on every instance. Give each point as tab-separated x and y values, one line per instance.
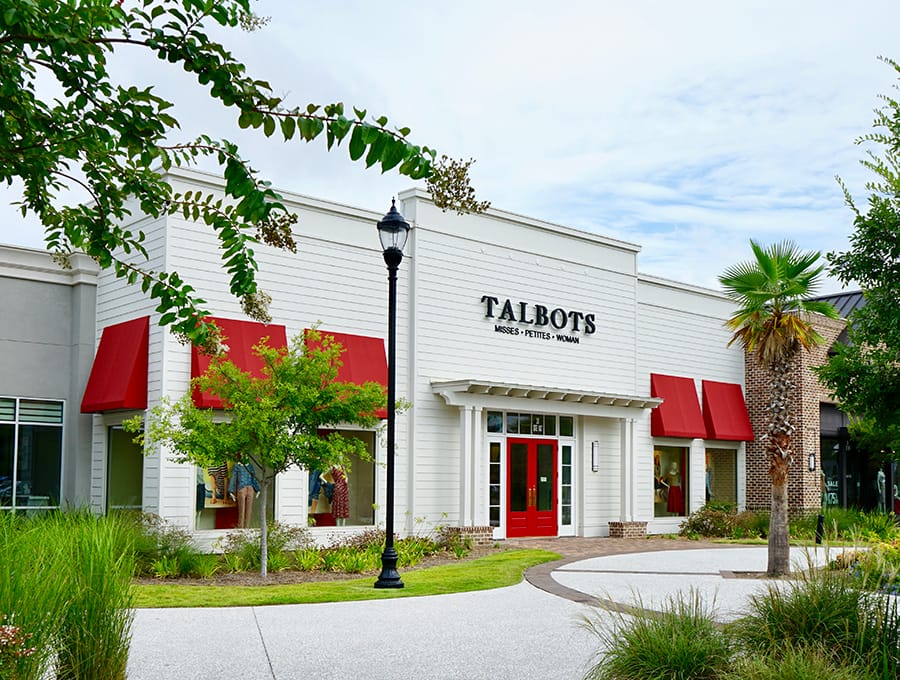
243	489
217	476
340	502
675	504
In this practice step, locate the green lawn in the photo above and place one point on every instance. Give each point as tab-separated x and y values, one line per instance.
493	571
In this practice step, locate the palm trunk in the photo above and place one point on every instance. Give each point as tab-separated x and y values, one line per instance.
779	535
778	448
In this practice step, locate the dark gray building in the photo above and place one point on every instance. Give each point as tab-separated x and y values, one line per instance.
47	337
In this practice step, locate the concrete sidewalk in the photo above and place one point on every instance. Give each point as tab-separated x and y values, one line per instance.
520	632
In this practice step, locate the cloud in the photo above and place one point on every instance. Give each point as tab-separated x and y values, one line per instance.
686	127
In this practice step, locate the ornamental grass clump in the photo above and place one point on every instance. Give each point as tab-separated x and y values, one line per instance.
95	628
65	586
680	643
795	663
32	593
830	613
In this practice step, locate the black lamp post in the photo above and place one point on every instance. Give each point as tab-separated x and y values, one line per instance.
392	231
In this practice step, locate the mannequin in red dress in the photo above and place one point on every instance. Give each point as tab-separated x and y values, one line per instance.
675	504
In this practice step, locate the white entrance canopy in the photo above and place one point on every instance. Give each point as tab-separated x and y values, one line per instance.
508	396
472	397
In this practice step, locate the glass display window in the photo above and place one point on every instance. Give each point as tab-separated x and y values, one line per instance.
344	496
228	497
670	481
721	476
124	471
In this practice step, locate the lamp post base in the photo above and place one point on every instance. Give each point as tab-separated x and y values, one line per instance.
389	576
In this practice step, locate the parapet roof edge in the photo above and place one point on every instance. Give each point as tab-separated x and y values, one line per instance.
533	222
672	283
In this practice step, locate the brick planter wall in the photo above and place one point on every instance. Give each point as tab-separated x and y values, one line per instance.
627	529
804	487
481	536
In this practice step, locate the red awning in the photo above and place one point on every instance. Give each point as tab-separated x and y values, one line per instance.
363	360
118	377
240	337
679	414
725	412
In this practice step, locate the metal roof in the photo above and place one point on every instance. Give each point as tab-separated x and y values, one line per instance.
845	303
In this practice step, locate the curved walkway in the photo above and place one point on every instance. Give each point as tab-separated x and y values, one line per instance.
530	630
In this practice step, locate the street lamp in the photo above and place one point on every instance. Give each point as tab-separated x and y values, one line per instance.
392	231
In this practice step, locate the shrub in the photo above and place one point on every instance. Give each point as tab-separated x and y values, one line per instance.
751	524
308	559
877	568
709	522
14	646
160	548
847	524
243	551
206	566
681	643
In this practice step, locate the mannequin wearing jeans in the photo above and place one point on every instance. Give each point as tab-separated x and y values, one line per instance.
243	488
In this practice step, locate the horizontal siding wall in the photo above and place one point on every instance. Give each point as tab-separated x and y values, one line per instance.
118	302
602	500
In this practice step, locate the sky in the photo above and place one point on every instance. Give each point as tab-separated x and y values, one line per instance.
687	127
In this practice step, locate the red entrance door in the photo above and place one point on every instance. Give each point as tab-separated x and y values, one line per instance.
531	488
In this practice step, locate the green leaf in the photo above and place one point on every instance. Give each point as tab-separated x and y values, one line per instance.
288	127
357	145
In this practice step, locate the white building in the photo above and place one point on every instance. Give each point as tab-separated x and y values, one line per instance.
554	389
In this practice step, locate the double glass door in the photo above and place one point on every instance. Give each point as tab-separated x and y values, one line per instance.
531	488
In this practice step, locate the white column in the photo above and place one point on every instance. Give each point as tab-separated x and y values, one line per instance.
479	493
465	466
629	481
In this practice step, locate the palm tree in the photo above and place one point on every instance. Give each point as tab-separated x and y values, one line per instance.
773	296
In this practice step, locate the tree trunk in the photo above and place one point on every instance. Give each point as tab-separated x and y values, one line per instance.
779	535
263	528
778	449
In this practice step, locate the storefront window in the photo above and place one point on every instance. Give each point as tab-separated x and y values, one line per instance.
670	481
526	423
124	472
344	496
227	497
30	454
721	476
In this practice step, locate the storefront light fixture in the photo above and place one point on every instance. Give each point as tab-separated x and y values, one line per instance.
595	456
812	462
392	232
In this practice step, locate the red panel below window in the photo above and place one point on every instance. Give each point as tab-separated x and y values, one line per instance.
679	414
118	377
240	337
725	412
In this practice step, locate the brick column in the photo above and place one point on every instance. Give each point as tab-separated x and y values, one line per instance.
804	487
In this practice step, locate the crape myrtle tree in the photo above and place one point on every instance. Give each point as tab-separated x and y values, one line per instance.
271	422
65	125
773	293
864	375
